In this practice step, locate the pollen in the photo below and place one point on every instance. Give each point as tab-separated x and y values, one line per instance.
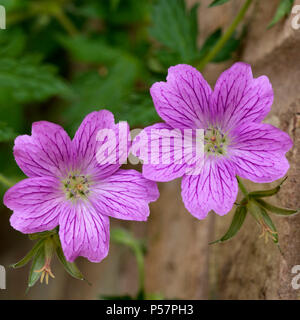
215	142
76	186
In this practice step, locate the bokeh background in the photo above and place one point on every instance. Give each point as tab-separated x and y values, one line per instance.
61	59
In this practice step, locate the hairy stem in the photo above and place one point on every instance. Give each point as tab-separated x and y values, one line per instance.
6	182
242	187
226	36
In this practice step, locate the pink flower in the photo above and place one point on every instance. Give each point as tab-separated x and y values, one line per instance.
236	142
69	188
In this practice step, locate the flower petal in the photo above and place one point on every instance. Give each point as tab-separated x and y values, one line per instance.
258	152
125	195
153	152
214	189
83	232
47	152
239	98
36	203
86	145
183	100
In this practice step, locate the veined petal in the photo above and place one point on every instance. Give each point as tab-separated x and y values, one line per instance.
124	195
86	145
239	98
258	152
215	188
83	232
161	149
47	152
183	100
36	203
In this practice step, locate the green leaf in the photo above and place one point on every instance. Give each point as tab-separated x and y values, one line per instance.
29	255
236	224
6	133
70	267
91	50
276	210
176	28
266	193
12	43
28	80
95	91
217	3
284	8
37	263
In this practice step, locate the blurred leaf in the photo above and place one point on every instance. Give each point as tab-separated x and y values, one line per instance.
6	133
29	255
217	3
266	193
29	80
236	224
12	43
276	210
284	8
176	28
37	263
90	50
125	297
95	91
138	110
226	52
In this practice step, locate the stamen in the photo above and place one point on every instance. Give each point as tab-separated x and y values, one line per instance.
76	186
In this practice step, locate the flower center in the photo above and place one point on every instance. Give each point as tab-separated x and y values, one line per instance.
76	186
215	142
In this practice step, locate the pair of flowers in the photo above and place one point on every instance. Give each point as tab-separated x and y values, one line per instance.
69	188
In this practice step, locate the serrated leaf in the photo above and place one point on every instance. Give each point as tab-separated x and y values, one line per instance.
266	193
6	133
176	28
29	255
284	8
70	267
29	80
217	3
37	263
276	210
236	224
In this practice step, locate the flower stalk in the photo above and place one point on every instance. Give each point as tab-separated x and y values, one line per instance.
226	36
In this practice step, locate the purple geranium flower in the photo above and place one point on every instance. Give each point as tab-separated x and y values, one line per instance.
236	142
69	188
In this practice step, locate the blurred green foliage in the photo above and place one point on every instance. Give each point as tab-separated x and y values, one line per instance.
61	59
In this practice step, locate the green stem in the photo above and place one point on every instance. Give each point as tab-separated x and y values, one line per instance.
141	268
6	182
226	36
241	186
65	22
